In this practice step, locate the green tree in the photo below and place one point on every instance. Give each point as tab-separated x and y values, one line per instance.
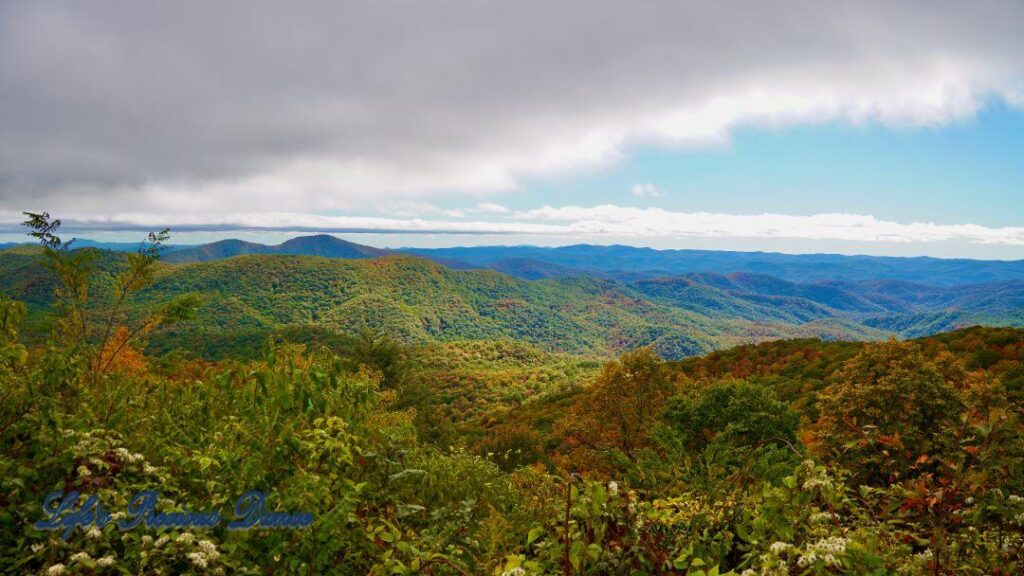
735	424
731	413
89	328
888	407
12	353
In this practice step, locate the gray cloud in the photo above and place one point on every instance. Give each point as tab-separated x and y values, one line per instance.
192	107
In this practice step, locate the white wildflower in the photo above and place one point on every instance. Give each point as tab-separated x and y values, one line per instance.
162	540
821	517
38	546
94	533
779	547
147	539
197	558
122	453
105	562
80	556
1016	499
84	471
613	487
136	457
186	537
517	571
55	570
827	550
819	482
209	548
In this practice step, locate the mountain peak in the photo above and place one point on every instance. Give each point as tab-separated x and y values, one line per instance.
316	245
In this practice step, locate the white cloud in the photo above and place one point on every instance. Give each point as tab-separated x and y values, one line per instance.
655	222
413	209
647	190
490	208
587	223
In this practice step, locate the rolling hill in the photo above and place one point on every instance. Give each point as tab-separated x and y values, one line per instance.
421	301
250	293
627	262
907	276
319	245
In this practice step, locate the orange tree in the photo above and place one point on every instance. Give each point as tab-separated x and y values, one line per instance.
613	418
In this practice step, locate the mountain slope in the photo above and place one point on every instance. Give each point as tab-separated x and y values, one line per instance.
419	301
528	269
631	262
319	245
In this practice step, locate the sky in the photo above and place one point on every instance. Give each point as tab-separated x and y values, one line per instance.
890	127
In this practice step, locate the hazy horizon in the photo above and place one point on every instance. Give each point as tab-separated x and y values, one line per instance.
393	242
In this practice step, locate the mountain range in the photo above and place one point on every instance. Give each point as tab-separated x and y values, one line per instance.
687	302
629	262
319	245
620	262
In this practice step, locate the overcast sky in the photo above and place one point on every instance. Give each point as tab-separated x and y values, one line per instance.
861	127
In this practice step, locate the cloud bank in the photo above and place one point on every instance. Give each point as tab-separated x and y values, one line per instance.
191	107
590	223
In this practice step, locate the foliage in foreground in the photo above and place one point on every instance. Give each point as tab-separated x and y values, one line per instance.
892	458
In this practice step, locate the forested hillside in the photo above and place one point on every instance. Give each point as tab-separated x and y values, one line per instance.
480	455
632	262
246	298
320	245
418	301
627	263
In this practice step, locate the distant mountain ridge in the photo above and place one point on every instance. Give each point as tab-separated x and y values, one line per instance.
632	263
628	263
419	300
323	245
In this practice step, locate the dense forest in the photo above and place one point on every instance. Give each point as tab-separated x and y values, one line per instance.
311	286
441	421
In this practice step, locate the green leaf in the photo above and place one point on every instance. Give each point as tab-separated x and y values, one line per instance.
576	554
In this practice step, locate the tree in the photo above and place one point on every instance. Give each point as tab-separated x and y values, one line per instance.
382	353
12	314
888	407
91	329
732	413
618	410
730	428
